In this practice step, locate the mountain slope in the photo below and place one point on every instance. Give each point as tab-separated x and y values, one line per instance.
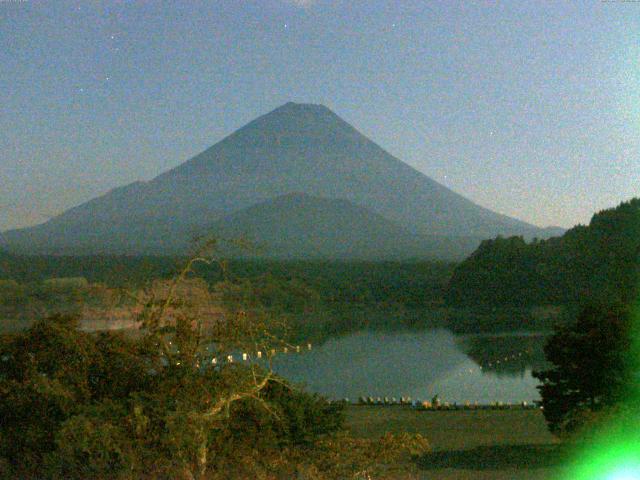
295	148
302	226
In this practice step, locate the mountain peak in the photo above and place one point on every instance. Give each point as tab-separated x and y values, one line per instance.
302	111
309	110
295	123
298	147
293	106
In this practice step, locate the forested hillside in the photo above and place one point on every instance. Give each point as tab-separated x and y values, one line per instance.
601	260
419	283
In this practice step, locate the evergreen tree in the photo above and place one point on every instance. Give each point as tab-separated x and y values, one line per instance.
593	367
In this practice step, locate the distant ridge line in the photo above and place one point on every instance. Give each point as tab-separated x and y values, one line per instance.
297	147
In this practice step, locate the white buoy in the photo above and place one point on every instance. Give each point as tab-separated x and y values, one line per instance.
259	354
230	358
214	360
308	346
245	356
298	348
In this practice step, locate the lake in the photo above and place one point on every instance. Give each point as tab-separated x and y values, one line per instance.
420	364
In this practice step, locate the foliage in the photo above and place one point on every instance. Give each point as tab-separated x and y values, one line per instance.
75	405
48	374
593	367
413	284
600	261
81	405
96	442
316	299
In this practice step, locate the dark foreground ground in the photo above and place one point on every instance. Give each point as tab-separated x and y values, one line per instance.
484	444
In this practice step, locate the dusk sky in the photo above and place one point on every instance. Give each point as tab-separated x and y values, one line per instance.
529	108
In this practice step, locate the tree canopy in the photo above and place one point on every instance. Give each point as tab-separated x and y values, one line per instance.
600	261
155	403
595	366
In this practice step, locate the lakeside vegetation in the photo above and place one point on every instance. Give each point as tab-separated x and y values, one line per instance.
82	405
600	261
319	298
416	283
507	284
112	412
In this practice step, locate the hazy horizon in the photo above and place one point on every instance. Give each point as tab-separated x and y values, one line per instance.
531	111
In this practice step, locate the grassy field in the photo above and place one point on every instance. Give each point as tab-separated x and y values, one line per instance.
483	444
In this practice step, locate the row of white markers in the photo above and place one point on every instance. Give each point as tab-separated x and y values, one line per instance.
259	354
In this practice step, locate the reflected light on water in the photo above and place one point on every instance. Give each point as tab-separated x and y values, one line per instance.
416	364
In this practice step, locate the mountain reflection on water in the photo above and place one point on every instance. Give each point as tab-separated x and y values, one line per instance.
506	354
420	364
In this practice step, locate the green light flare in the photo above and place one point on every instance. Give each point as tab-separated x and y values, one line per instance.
602	462
634	388
613	453
631	472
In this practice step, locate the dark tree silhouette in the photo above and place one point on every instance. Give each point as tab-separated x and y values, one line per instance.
593	367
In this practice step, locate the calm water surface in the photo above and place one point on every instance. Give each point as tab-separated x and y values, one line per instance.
420	365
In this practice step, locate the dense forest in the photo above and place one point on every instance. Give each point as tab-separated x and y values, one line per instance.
113	406
507	284
320	299
601	260
407	283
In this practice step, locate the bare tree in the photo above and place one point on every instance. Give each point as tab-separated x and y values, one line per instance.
189	325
